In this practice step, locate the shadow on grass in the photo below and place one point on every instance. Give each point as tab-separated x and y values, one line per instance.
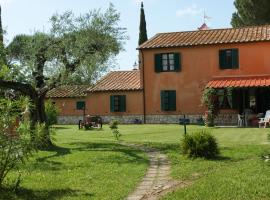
60	127
132	153
59	151
27	194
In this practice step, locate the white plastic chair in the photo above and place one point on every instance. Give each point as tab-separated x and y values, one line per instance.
264	121
240	120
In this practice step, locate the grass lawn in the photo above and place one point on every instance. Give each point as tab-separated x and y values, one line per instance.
81	167
90	165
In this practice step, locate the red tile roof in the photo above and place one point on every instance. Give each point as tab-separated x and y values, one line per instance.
208	37
68	91
248	81
118	81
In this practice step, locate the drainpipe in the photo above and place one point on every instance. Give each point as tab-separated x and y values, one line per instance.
142	68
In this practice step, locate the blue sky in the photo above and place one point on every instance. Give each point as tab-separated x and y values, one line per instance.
26	16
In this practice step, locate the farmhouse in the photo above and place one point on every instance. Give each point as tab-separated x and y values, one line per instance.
174	69
118	95
70	102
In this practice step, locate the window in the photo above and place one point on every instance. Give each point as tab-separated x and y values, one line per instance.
167	62
80	105
168	100
228	59
118	103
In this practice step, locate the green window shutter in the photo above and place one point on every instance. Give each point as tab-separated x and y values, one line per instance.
172	100
112	103
162	100
80	105
235	59
123	103
177	62
158	63
222	59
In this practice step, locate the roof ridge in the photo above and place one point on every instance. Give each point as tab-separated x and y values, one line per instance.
213	29
208	37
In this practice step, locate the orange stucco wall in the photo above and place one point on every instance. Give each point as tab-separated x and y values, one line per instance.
67	106
199	65
98	103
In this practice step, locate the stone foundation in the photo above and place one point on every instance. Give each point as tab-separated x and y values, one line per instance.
226	120
125	119
69	119
221	120
170	119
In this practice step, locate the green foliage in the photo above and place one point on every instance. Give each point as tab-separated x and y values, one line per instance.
200	144
250	13
17	141
210	100
114	127
92	40
79	48
143	31
51	113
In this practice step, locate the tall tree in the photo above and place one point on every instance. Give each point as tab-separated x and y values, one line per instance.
41	61
251	12
143	32
2	47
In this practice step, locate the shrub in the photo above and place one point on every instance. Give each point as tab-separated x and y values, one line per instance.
17	141
51	113
200	144
114	124
210	100
114	128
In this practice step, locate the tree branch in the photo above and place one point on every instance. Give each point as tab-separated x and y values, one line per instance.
24	88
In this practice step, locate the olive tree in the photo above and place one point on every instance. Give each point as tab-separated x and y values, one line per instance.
76	49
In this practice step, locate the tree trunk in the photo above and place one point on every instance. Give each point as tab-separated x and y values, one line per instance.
38	115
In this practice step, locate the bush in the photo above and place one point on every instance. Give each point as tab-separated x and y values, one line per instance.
114	128
17	141
200	144
114	124
51	113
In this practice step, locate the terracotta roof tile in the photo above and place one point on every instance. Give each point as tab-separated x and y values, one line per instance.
118	81
242	81
68	91
208	37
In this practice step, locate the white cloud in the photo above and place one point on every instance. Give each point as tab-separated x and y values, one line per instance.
192	10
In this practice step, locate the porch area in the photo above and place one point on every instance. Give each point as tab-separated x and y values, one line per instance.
242	101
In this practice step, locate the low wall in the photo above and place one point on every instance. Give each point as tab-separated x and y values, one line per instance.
226	120
125	119
222	119
69	119
170	119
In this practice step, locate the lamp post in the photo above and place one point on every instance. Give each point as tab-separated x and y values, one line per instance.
185	126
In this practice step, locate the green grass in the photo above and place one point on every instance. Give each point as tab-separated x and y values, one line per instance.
85	165
91	165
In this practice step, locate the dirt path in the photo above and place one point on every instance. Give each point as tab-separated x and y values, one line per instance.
157	181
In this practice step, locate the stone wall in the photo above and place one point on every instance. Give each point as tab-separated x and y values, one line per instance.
221	120
125	119
69	119
170	119
226	120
